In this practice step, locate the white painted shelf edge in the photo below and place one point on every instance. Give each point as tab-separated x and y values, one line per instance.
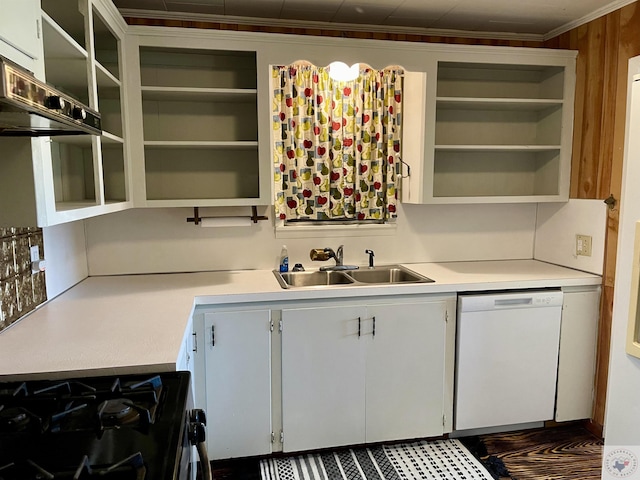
204	202
105	78
477	103
497	199
201	144
110	138
497	148
193	93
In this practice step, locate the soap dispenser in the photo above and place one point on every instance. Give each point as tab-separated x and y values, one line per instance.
284	259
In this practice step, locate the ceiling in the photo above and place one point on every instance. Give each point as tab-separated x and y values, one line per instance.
530	18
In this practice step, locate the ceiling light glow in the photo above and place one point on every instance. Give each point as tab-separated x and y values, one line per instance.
342	72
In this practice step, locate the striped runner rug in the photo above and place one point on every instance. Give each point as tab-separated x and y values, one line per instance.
436	460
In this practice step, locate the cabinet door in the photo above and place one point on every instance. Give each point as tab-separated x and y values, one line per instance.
19	30
238	383
577	357
405	370
323	375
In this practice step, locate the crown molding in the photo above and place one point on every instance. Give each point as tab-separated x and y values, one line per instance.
285	23
611	7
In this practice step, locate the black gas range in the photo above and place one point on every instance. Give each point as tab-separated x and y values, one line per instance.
128	427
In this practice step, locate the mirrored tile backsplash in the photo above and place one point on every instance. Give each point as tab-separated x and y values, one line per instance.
20	290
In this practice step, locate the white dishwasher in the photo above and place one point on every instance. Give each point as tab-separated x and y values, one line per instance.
506	358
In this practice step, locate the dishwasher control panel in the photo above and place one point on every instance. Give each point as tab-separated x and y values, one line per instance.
510	300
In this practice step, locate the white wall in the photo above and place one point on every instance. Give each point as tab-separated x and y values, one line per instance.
66	256
622	422
556	227
160	240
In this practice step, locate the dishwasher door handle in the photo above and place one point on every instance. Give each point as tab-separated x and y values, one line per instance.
513	302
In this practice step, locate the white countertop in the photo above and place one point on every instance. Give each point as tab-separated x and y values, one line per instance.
136	323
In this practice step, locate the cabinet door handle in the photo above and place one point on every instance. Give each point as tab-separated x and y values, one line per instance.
213	335
359	327
374	326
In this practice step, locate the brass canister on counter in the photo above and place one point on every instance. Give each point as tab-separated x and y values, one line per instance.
319	254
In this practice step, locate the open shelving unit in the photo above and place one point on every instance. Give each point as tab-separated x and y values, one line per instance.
498	132
109	95
82	56
200	130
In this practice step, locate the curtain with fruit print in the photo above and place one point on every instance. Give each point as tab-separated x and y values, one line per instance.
336	144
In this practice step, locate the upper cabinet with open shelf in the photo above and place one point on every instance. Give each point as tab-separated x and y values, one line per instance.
199	123
494	131
80	176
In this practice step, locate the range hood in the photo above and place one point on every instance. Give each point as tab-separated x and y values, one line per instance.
31	108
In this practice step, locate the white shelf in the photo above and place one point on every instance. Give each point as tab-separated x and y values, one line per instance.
497	148
111	139
215	202
65	59
58	44
197	94
105	78
66	206
475	103
78	140
201	144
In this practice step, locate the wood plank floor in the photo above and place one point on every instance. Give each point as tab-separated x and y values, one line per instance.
558	453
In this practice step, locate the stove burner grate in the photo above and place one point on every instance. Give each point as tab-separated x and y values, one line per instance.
130	468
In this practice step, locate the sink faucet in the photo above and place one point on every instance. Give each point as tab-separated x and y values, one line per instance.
339	255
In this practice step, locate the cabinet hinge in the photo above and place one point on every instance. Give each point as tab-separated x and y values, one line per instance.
273	437
444	420
213	335
281	436
195	342
271	325
280	326
38	29
446	316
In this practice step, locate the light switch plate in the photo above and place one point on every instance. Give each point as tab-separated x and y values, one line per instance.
583	245
35	253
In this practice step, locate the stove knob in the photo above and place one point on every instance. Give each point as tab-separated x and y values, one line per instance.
197	433
78	113
54	102
197	415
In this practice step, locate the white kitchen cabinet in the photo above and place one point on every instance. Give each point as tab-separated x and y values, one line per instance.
491	129
20	32
323	377
405	370
577	357
355	373
67	178
195	115
237	381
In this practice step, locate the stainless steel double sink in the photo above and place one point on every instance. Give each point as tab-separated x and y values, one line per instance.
383	275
